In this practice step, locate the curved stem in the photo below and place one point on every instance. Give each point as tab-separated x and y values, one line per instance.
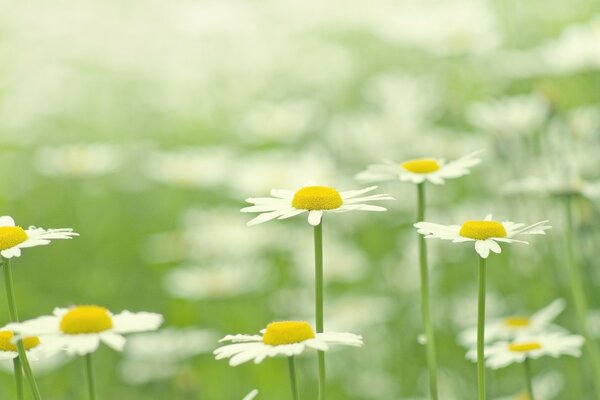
578	294
481	330
319	302
18	377
14	317
293	383
528	380
425	313
90	376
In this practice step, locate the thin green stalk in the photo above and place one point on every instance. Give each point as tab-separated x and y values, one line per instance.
427	325
293	383
528	380
90	376
481	330
18	377
14	317
319	302
578	294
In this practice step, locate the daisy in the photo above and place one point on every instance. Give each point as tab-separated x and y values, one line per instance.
434	170
556	344
517	325
486	234
80	329
315	200
13	238
36	349
285	338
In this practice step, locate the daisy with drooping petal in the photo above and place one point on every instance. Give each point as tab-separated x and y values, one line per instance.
80	329
315	200
514	326
284	338
434	170
13	238
486	234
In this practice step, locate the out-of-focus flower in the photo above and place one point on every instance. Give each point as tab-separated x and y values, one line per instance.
35	348
546	386
78	160
486	234
285	338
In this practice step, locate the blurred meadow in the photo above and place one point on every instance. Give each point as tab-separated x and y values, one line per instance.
144	125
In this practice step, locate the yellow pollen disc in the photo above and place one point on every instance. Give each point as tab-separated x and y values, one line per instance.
10	236
481	230
86	319
287	332
516	322
6	345
317	198
421	166
524	346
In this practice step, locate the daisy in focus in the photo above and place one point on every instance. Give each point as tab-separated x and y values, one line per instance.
502	354
80	329
417	171
486	234
315	200
285	338
511	327
13	238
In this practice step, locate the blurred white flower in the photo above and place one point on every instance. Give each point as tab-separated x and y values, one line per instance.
78	160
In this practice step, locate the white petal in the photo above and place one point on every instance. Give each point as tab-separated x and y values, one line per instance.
482	248
127	322
314	217
81	344
251	395
8	355
10	253
353	193
5	220
495	247
113	340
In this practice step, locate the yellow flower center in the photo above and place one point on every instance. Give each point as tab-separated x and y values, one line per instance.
6	345
421	165
86	319
516	322
524	346
482	230
287	332
317	198
10	236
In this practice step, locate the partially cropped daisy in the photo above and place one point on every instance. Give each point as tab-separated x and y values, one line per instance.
315	200
285	338
514	326
34	347
556	344
13	238
434	170
486	234
80	329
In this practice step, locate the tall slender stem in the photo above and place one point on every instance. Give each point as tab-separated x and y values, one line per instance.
14	317
425	314
481	330
90	376
578	294
293	382
319	302
18	377
528	380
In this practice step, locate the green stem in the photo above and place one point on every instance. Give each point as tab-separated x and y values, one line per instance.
578	294
481	330
319	302
425	313
528	380
18	377
293	383
14	317
90	376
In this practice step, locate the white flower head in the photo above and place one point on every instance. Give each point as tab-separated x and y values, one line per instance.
486	234
13	238
502	354
35	348
80	329
514	326
433	170
315	200
284	338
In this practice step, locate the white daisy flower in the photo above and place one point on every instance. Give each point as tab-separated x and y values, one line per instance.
555	344
515	326
284	338
36	349
80	329
486	234
13	238
433	170
314	199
